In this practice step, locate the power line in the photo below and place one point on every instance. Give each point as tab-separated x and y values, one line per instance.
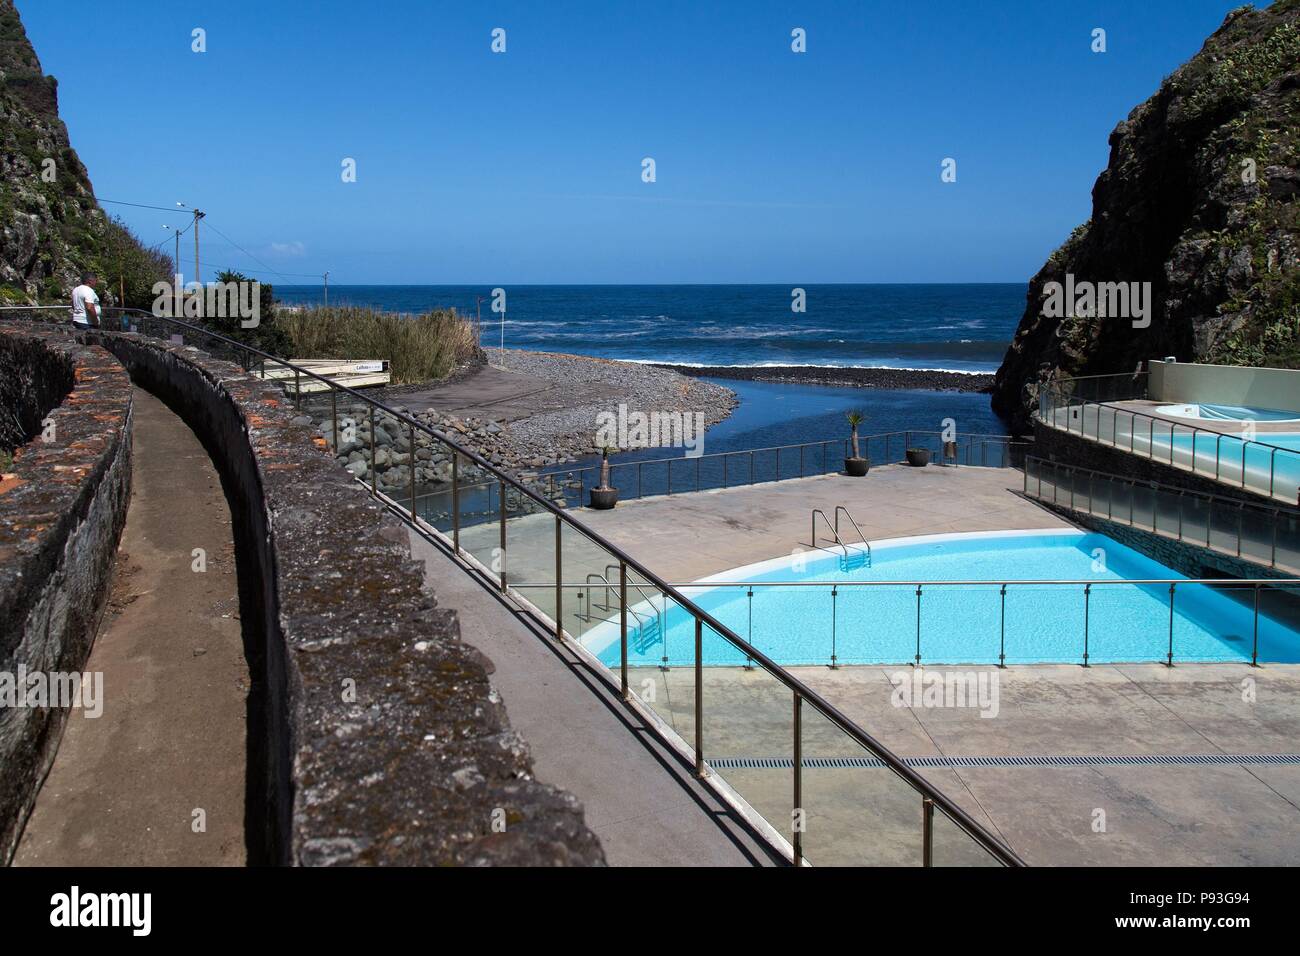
292	275
137	205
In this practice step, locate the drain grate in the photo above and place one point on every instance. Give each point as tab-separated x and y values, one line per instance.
1057	760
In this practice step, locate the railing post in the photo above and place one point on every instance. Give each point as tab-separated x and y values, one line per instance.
501	485
1087	595
1170	660
798	815
455	500
622	623
699	697
927	832
834	603
1254	647
297	391
1272	558
725	478
559	594
749	635
334	416
1241	521
1002	638
918	625
412	463
374	469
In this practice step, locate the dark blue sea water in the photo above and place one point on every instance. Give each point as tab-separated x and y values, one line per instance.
957	327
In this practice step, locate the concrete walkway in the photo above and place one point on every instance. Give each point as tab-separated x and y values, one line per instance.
640	800
138	785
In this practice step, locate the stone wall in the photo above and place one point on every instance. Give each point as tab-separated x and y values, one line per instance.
374	735
62	508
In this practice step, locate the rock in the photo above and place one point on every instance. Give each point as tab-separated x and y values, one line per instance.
1175	208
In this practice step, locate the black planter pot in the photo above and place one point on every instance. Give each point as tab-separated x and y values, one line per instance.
857	467
602	499
918	457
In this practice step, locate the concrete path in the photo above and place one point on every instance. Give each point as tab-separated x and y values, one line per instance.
640	800
131	787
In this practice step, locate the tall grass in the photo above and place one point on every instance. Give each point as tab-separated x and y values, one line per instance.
419	348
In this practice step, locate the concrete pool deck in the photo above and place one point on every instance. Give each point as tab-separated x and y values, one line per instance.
1212	812
1195	815
685	537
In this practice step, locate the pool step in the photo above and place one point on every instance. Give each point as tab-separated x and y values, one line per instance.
1060	760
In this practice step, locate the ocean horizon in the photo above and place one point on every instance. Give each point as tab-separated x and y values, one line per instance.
957	327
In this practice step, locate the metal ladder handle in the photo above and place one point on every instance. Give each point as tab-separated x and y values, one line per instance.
830	528
645	597
600	579
838	509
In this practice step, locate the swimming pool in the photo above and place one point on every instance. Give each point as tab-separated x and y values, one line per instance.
959	623
1229	413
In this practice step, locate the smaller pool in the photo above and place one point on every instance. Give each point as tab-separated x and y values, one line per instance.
1229	413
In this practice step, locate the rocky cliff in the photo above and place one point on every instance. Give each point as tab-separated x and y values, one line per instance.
1199	198
51	227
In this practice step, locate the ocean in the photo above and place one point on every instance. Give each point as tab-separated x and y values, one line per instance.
962	328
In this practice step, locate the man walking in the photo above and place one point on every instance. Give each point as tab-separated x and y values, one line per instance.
85	303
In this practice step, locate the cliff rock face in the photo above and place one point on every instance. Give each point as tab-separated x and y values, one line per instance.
1199	199
48	230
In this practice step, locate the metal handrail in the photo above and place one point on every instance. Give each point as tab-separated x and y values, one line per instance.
863	537
1036	467
801	691
639	590
813	539
1049	419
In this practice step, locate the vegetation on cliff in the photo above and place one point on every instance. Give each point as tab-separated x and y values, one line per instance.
1199	198
51	227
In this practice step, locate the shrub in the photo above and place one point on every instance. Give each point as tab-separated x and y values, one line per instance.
418	348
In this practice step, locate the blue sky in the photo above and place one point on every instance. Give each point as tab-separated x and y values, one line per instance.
525	167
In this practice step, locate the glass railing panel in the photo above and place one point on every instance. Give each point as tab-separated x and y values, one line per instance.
1211	623
855	811
1043	622
1196	517
531	531
1287	525
951	845
478	507
592	570
1143	514
1279	623
1125	623
748	720
1258	528
958	623
1284	475
1166	512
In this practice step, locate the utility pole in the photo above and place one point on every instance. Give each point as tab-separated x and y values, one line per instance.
326	277
197	216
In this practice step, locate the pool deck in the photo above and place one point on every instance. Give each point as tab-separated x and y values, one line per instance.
685	537
1108	813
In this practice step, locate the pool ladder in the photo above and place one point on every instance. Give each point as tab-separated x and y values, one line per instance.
849	561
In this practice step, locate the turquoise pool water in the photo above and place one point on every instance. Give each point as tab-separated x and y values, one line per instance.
962	623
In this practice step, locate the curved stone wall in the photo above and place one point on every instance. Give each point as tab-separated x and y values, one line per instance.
374	735
62	508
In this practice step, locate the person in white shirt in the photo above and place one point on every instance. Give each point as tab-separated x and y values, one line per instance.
85	303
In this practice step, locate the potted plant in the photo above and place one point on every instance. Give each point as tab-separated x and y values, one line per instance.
855	464
604	497
918	457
